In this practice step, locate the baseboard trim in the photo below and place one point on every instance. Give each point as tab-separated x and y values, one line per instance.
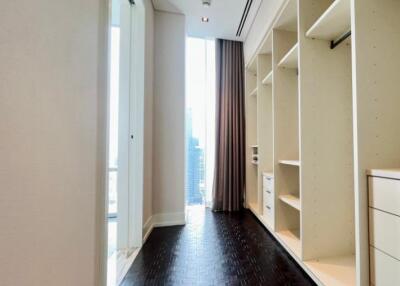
128	263
169	219
147	228
162	220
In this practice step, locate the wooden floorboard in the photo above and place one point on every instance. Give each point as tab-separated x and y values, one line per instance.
214	249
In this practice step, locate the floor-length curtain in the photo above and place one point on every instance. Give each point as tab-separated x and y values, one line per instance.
229	174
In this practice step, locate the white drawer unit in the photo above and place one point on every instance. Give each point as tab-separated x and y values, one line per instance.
384	227
384	232
384	194
268	181
268	199
385	270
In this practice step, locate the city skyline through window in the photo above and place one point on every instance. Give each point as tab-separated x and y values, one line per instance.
200	120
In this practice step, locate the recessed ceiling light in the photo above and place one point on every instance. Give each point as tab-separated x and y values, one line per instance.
205	19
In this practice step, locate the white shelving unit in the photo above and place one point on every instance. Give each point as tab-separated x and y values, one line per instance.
254	92
291	238
309	114
335	22
290	162
291	59
312	117
292	201
251	135
334	270
268	79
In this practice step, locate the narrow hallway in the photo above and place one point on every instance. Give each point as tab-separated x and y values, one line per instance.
214	249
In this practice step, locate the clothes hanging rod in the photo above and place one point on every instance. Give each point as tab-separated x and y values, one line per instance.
337	42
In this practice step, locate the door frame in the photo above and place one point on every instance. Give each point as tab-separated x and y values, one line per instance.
136	126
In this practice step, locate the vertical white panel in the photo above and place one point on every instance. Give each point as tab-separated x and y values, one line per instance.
326	141
264	123
376	42
251	138
286	130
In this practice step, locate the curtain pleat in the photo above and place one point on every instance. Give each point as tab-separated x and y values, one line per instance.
229	174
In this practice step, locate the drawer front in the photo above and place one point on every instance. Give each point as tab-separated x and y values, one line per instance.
269	215
268	198
385	270
268	183
384	232
384	194
268	210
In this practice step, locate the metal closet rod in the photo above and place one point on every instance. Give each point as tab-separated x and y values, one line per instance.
337	42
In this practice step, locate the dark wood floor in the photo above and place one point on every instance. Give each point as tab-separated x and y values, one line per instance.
214	249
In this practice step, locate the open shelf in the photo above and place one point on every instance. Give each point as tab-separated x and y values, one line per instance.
290	60
287	20
254	92
254	208
268	79
252	67
335	22
290	162
291	200
266	46
340	271
291	238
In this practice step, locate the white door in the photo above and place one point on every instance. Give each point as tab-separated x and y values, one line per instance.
120	141
126	15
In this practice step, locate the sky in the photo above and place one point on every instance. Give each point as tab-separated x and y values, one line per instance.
200	83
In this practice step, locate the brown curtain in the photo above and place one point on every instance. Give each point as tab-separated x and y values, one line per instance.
229	175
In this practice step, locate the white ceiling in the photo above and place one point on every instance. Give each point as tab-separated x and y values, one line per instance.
224	15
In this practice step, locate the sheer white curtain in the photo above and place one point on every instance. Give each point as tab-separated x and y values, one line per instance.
200	120
210	119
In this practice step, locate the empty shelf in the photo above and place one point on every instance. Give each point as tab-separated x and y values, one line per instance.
254	208
290	60
334	270
254	162
291	238
291	200
252	67
254	92
290	162
268	79
335	22
288	18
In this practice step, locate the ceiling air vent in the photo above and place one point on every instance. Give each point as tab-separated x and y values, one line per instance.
244	17
206	3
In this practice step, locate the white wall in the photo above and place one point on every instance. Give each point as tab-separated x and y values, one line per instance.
262	23
52	126
169	114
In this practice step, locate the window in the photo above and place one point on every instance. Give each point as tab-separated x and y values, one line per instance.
200	120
